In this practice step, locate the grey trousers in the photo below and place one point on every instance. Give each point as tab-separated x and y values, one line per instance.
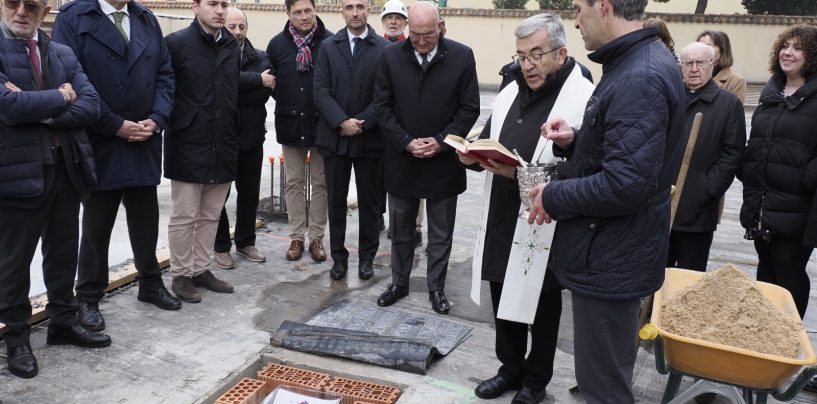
604	348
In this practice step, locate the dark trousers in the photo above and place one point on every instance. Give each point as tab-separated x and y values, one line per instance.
368	180
689	250
536	370
782	261
440	214
603	336
56	220
247	185
98	218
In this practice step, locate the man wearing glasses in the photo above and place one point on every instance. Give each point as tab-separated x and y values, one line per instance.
547	82
715	160
46	166
426	88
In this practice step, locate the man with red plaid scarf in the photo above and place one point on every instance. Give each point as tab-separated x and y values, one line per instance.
292	54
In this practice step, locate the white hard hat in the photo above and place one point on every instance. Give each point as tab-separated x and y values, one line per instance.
394	7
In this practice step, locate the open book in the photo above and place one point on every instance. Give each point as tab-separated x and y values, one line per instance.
482	149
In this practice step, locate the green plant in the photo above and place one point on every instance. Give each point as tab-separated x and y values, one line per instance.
555	4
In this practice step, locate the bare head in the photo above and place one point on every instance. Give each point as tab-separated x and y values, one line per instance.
24	17
697	63
424	26
540	48
237	24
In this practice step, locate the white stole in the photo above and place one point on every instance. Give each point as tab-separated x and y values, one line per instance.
531	243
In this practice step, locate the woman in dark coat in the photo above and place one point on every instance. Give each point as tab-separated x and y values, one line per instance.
779	168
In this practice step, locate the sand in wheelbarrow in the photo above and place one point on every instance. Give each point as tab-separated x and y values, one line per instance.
726	307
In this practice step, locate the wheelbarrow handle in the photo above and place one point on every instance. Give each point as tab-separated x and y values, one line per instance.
650	332
804	377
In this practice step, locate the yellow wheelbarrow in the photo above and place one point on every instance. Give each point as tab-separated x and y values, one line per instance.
737	374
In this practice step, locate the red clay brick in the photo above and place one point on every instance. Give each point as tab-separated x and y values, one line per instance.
359	391
275	375
246	391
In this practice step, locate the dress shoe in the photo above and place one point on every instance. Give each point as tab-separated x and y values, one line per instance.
90	317
381	223
185	290
364	270
209	281
418	238
251	253
316	250
158	296
77	335
438	301
224	260
528	395
339	269
495	387
392	295
296	249
22	362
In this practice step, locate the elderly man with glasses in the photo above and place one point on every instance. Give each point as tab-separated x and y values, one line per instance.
46	167
426	88
715	159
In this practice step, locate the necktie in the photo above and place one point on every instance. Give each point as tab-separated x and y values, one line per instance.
356	41
117	21
425	63
34	57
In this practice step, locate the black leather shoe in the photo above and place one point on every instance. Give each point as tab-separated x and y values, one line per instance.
439	302
160	297
22	362
76	335
90	317
392	295
528	395
339	269
365	271
495	387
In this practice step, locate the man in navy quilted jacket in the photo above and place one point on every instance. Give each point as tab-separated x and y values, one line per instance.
46	167
612	202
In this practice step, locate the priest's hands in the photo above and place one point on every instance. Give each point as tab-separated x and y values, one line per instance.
498	168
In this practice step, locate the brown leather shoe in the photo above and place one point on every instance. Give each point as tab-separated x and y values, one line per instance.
316	250
296	249
185	290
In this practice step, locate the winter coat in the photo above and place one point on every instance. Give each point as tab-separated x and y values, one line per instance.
29	119
715	160
732	82
344	88
613	207
252	97
135	82
779	167
295	115
415	104
201	140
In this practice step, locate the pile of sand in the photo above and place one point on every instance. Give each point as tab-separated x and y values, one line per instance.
726	307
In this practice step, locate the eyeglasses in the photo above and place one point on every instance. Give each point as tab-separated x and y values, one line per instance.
533	58
690	63
430	36
30	6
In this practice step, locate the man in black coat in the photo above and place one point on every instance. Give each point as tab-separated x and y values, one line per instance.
255	86
426	88
715	159
201	144
292	54
613	204
348	134
46	166
131	70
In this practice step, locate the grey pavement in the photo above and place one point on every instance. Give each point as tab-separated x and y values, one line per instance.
194	354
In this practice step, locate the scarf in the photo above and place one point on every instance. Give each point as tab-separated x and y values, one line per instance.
304	57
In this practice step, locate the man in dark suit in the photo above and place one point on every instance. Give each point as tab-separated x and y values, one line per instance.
348	134
426	88
46	165
119	44
255	86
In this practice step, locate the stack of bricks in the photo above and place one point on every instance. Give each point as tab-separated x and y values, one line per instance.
275	375
355	391
247	391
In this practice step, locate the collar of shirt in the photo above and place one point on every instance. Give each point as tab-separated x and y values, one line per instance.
108	10
429	57
352	36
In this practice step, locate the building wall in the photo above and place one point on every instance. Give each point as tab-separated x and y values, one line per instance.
490	33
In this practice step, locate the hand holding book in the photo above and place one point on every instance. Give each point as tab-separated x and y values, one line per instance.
482	150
